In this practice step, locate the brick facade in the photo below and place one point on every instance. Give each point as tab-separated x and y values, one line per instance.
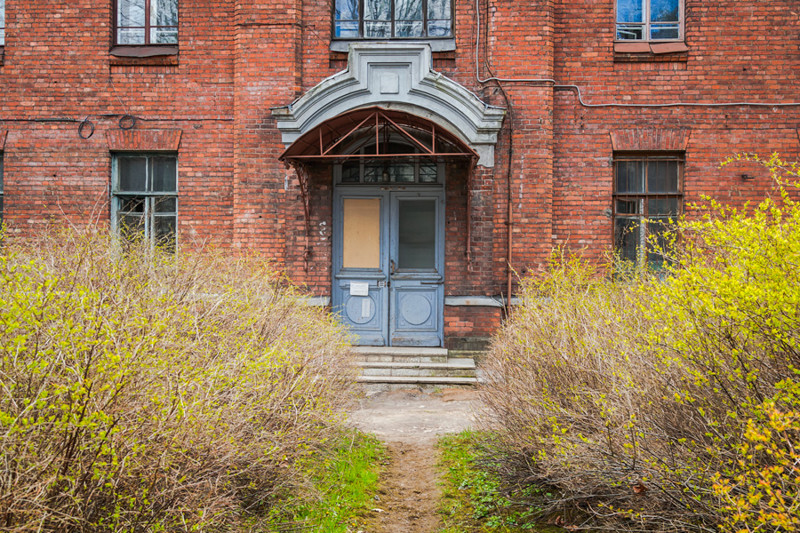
211	104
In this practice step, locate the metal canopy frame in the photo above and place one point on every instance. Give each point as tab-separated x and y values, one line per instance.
319	145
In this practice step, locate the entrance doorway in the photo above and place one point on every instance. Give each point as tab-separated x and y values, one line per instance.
388	267
388	220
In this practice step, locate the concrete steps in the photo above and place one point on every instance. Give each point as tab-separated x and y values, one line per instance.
385	368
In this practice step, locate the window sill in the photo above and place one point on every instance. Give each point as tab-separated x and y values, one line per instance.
437	45
144	55
643	51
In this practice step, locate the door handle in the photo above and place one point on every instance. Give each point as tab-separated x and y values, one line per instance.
391	266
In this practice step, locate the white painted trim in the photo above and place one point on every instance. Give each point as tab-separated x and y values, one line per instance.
316	301
437	45
405	68
478	301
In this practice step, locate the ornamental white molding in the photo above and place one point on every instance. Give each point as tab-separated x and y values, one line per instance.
396	76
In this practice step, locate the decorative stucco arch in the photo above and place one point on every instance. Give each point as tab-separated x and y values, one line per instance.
396	76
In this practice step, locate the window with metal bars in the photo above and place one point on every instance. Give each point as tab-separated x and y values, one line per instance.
146	22
649	20
144	205
392	19
648	198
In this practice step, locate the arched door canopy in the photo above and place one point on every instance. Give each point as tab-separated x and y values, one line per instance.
396	77
335	139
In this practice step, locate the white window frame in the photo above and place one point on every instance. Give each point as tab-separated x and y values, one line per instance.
2	23
150	197
646	25
150	12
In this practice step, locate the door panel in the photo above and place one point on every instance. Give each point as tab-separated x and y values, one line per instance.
416	269
388	265
361	233
360	264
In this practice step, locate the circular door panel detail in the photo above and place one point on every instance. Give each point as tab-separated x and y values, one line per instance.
360	309
415	309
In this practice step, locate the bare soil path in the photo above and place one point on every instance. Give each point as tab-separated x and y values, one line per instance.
409	422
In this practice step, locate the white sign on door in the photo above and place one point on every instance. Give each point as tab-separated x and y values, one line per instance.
359	288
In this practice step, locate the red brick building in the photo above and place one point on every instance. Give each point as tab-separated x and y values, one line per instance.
404	160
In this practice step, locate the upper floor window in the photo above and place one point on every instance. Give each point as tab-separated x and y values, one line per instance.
647	200
146	22
144	204
392	19
649	20
2	22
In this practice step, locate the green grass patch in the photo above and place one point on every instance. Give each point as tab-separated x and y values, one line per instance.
340	488
473	499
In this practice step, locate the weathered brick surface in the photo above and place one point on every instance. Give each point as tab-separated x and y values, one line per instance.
738	52
240	58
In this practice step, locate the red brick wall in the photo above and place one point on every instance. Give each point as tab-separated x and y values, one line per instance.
57	66
738	51
238	59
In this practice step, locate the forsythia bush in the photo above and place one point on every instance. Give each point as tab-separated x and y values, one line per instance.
147	392
670	404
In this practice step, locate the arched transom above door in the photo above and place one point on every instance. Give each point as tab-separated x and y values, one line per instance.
396	77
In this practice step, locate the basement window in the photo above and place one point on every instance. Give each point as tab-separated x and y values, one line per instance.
144	204
145	28
647	200
429	20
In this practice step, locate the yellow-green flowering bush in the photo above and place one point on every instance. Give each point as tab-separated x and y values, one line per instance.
760	486
150	392
666	404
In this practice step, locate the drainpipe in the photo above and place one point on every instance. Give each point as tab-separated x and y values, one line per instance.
510	199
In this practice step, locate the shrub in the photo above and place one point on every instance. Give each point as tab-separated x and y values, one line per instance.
666	405
150	392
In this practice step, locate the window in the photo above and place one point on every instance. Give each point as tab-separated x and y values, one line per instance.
146	22
1	189
392	19
649	20
2	22
382	170
144	198
647	198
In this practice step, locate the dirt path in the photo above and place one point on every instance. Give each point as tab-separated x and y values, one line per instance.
409	422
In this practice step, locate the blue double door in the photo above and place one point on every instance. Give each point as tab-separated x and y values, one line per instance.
388	265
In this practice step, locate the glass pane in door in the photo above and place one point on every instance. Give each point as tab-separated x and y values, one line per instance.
361	232
416	234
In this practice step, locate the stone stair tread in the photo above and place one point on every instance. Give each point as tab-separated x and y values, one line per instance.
400	351
419	379
460	365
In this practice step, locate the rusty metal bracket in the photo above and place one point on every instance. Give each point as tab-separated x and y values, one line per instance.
303	179
473	163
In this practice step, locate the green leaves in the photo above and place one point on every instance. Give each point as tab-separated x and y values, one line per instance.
160	393
664	404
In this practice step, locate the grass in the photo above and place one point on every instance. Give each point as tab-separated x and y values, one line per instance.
340	488
472	497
